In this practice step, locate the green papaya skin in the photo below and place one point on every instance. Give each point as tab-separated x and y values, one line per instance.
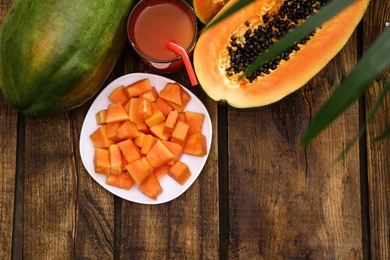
56	54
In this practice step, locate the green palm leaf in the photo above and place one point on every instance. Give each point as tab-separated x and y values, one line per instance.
230	11
373	63
385	134
313	22
369	118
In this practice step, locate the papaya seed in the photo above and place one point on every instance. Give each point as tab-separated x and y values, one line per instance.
243	49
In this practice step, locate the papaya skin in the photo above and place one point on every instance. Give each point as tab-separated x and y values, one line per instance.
205	10
289	75
55	55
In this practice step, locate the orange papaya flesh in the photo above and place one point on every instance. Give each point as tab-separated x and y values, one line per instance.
129	152
205	10
219	49
122	180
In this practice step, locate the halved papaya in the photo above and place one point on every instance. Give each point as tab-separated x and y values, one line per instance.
205	10
224	51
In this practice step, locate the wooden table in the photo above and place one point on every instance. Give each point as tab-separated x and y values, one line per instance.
260	195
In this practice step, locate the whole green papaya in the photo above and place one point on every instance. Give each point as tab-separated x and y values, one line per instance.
56	54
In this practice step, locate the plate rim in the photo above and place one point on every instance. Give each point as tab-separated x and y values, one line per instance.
84	136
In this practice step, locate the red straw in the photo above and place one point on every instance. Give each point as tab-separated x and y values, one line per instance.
190	70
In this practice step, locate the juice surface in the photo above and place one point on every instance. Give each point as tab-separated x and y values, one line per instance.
159	23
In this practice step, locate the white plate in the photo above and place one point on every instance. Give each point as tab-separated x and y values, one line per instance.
171	189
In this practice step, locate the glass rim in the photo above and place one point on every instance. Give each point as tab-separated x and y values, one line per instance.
142	3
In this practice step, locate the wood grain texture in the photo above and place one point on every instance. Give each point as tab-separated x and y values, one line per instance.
8	166
260	195
96	214
185	228
50	189
287	202
94	210
378	151
4	6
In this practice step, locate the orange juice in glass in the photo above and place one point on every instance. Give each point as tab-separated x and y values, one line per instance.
154	23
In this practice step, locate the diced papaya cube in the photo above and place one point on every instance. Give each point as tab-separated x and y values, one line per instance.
127	106
158	130
124	162
139	170
116	113
121	181
140	109
172	93
182	117
115	159
164	106
170	123
143	127
148	143
180	133
161	171
129	150
127	130
180	172
196	145
101	161
139	140
175	148
118	95
156	117
152	94
151	187
185	99
138	88
101	117
195	121
111	131
159	155
99	137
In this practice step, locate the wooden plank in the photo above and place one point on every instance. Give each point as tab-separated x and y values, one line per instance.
185	228
5	5
378	152
50	189
288	202
95	206
8	166
95	214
